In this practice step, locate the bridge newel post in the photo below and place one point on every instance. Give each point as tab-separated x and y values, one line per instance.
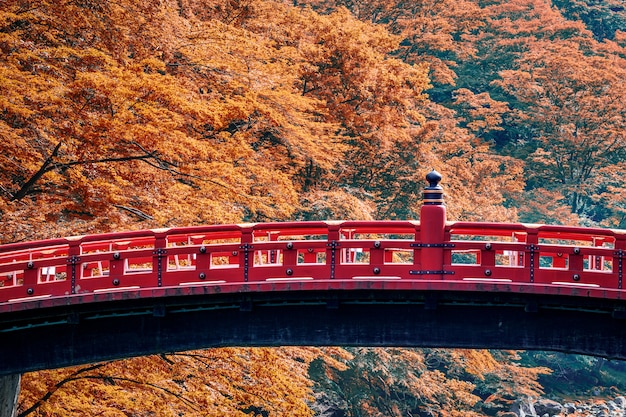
432	227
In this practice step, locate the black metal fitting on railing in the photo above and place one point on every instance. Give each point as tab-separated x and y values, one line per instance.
414	272
333	256
160	253
246	247
532	249
73	261
620	267
431	245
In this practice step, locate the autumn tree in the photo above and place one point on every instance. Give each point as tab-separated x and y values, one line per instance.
574	107
436	33
108	130
528	54
604	19
500	376
395	382
435	382
215	382
249	105
374	100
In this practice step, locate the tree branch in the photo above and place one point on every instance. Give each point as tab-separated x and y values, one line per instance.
150	157
58	385
76	376
101	161
22	192
135	211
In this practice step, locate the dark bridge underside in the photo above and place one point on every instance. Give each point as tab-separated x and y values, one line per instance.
78	334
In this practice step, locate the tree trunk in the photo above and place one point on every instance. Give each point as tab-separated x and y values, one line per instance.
9	392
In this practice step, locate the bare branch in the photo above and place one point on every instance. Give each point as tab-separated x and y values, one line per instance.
73	377
77	376
150	157
22	192
135	211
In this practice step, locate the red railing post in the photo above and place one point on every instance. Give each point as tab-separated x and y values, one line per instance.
618	259
333	255
532	255
246	252
159	257
432	227
73	264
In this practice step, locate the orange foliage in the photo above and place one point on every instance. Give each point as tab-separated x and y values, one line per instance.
433	32
440	382
479	181
568	91
480	111
110	139
215	382
574	106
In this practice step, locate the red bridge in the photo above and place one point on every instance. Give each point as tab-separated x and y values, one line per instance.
401	283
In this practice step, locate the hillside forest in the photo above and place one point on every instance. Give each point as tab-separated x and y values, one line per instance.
119	115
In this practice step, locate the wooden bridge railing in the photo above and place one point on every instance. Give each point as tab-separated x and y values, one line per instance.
430	254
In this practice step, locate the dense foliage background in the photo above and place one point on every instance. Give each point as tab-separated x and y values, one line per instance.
120	114
129	115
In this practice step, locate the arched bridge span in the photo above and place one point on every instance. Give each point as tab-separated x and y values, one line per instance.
385	283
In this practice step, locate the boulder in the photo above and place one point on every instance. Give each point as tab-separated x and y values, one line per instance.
569	408
524	408
546	406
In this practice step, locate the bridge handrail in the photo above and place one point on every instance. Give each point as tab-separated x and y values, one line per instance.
319	255
311	255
